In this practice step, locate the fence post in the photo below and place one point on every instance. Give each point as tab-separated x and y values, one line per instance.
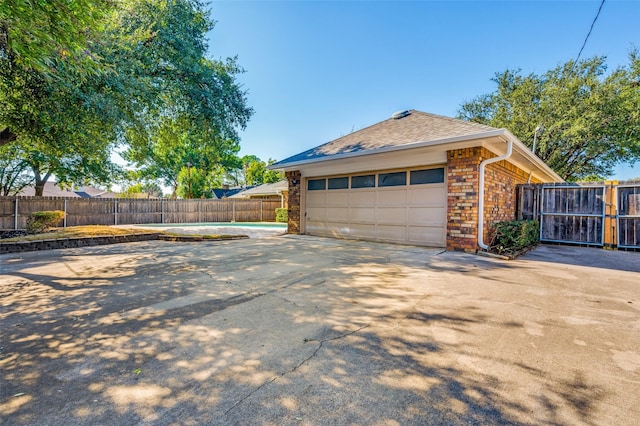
64	220
162	211
199	212
261	216
233	205
15	215
115	212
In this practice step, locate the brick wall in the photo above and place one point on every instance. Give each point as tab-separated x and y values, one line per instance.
500	197
293	225
501	179
462	199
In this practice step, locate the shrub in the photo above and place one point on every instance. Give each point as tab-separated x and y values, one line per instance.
39	222
512	237
282	215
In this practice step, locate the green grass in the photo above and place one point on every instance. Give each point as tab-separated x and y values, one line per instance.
89	231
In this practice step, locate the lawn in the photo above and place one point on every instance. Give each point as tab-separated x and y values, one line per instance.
88	231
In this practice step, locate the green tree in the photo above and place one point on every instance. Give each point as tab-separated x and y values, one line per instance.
14	172
251	170
193	183
177	143
153	73
272	176
37	34
48	37
590	119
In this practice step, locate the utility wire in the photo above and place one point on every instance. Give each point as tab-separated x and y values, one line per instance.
589	33
540	127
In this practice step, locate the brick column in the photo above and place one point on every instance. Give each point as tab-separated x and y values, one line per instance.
462	199
293	224
500	200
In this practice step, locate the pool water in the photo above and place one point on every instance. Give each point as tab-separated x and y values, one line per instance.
271	225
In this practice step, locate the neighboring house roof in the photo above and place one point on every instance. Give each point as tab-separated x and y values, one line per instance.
415	127
221	193
51	189
419	130
264	189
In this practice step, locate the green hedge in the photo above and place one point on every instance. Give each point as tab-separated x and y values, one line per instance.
39	222
282	215
512	237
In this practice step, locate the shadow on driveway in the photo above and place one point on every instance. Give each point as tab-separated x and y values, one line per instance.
301	330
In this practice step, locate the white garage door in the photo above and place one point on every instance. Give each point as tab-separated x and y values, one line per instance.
408	206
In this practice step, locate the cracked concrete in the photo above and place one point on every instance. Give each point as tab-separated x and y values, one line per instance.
301	330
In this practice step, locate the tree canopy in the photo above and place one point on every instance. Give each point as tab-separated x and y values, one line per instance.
589	119
154	94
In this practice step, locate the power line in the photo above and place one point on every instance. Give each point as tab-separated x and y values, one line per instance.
540	127
589	33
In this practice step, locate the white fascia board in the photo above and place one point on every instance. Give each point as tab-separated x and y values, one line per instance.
297	164
535	161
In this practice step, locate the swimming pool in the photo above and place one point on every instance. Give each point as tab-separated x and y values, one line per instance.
250	229
269	225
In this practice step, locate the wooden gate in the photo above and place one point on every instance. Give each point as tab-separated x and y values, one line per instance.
573	214
628	216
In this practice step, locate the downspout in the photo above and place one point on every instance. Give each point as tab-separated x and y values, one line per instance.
481	192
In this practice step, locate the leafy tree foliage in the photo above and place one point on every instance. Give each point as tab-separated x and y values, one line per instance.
590	119
38	34
156	94
176	145
194	183
14	172
251	170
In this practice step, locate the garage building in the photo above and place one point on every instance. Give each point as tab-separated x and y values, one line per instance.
415	178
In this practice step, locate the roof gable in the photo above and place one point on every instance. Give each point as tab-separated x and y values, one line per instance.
413	128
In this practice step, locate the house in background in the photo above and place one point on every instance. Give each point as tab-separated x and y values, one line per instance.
227	192
415	178
267	191
51	189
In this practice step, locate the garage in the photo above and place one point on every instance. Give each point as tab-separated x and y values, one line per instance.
400	206
415	178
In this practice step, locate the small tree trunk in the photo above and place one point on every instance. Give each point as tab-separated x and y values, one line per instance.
40	182
7	136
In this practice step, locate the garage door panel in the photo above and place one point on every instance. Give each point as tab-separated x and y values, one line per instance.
340	198
362	198
316	198
363	215
316	227
316	213
391	232
338	230
359	230
392	197
426	215
392	215
427	197
433	235
337	214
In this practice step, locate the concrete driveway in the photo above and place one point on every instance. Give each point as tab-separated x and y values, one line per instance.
302	330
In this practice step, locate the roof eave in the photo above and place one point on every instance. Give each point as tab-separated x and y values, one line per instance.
534	159
294	165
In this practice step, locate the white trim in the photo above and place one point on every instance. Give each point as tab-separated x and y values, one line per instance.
537	167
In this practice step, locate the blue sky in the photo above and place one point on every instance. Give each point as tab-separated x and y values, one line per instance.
317	70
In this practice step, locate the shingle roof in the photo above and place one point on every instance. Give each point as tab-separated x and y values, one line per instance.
264	189
51	189
413	128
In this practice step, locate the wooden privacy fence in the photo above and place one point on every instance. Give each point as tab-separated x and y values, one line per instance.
14	211
605	215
